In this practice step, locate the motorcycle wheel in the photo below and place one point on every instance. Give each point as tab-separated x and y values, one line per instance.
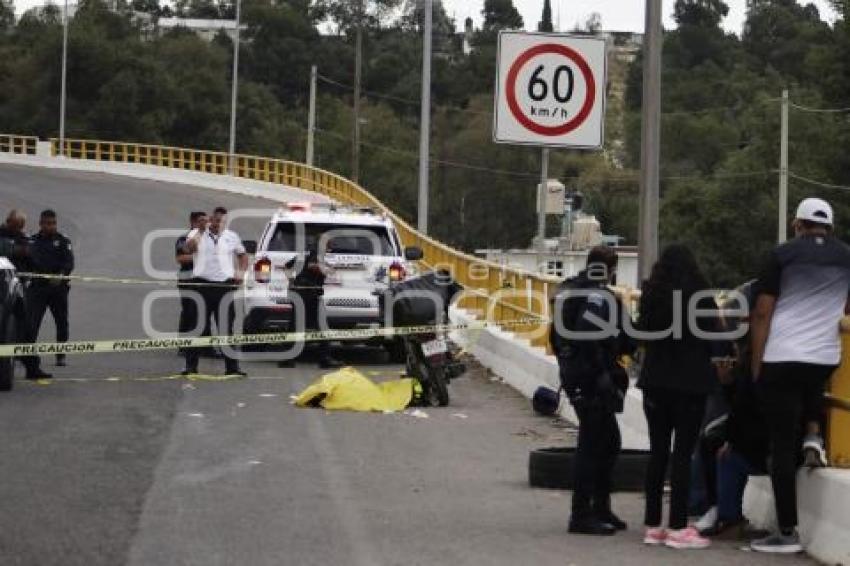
438	390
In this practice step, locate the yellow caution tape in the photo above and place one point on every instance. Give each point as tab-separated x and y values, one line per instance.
139	281
151	344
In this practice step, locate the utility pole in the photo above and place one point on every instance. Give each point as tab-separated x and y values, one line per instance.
425	121
234	90
358	76
650	141
311	119
783	171
63	95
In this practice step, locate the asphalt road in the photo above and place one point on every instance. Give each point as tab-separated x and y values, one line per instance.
112	464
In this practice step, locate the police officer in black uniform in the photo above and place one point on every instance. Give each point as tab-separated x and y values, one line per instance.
595	384
308	284
51	253
13	232
190	298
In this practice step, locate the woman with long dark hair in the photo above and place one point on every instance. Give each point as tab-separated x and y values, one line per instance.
676	379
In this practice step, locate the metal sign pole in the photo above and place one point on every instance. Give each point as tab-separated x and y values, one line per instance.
783	172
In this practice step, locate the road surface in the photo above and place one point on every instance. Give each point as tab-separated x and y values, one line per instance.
112	464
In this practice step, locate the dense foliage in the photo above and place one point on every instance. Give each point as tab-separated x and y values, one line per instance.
720	146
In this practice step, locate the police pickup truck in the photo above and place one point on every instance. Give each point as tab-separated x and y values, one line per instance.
360	249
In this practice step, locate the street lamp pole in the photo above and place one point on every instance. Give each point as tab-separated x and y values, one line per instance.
650	141
425	120
234	89
63	95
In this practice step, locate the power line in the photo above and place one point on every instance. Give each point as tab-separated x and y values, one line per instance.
408	101
820	110
631	178
817	183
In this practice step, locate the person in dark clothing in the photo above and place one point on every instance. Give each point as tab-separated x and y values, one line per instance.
595	384
676	379
51	254
308	286
796	346
737	446
13	232
190	298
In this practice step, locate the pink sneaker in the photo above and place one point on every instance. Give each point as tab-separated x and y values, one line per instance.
655	536
686	539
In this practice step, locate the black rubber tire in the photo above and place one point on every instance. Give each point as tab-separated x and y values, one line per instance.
552	468
8	335
438	390
396	352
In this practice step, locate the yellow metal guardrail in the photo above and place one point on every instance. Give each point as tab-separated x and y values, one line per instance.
497	293
21	145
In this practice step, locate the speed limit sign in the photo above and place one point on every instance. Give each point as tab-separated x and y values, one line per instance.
550	90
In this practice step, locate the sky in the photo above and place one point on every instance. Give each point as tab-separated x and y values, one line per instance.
617	15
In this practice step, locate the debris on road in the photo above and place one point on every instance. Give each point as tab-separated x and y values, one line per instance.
418	413
459	416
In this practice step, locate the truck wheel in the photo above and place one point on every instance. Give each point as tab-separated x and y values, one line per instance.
395	351
7	365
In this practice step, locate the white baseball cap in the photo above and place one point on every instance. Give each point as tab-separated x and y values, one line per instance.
815	210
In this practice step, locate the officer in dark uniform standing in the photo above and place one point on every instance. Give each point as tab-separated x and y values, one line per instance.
308	284
595	384
13	232
51	253
190	298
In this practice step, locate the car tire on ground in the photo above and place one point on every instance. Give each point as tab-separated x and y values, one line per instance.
553	468
7	365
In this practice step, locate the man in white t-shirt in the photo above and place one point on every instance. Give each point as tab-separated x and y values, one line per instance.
219	261
802	295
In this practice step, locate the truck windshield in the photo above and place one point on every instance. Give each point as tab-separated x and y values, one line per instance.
340	239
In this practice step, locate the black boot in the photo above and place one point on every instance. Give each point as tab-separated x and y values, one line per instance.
590	526
612	519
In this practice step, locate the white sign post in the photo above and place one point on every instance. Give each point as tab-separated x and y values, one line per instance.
550	90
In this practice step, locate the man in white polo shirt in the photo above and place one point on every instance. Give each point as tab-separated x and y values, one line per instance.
219	260
802	295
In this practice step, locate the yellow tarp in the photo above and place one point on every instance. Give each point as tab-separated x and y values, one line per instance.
350	390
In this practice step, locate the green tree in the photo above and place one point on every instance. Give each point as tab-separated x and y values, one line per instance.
545	23
7	15
499	15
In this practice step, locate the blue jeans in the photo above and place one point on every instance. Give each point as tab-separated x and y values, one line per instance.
733	470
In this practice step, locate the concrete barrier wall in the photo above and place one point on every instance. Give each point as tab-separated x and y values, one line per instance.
526	368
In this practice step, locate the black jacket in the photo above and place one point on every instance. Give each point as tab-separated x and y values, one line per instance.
19	255
588	363
52	255
680	364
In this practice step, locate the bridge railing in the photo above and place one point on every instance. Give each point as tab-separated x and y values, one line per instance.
496	293
21	145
